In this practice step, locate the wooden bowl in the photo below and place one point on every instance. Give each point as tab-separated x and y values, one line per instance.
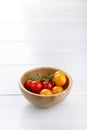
44	100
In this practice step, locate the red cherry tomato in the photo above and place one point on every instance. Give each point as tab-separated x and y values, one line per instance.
28	84
48	85
36	86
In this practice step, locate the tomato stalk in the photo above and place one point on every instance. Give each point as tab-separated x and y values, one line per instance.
42	78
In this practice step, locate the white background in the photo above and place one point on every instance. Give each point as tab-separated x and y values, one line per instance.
37	33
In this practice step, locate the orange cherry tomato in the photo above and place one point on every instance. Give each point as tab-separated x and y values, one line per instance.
57	89
45	92
59	78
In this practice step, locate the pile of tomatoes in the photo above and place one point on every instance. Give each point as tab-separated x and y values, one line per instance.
46	85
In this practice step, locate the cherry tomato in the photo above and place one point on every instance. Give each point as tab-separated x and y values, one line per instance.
36	86
28	84
59	78
57	89
42	81
45	92
48	85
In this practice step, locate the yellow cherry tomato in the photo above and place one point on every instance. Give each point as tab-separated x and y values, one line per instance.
59	78
46	92
57	89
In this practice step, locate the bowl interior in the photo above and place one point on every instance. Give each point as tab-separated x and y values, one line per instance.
42	71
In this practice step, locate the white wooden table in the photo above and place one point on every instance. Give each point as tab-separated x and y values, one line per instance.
37	33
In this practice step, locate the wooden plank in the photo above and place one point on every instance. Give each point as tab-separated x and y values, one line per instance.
42	11
17	113
42	53
9	76
17	57
43	32
45	20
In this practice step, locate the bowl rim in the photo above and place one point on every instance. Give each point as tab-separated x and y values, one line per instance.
35	94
